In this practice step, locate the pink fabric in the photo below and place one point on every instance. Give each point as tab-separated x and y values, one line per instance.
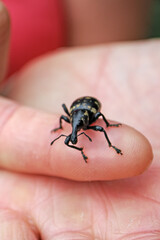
36	27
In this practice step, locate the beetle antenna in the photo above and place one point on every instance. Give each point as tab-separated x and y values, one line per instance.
85	135
62	135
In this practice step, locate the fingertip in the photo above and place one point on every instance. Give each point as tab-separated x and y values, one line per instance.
5	19
137	153
104	163
4	39
26	145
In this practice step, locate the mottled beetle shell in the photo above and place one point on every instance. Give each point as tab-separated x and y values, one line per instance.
83	110
86	103
89	105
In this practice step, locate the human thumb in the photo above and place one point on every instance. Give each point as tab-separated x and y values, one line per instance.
4	39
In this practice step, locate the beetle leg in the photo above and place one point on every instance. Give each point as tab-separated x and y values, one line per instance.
65	109
62	135
60	123
98	114
99	128
85	135
67	140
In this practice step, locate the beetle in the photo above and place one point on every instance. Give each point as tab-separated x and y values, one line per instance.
83	112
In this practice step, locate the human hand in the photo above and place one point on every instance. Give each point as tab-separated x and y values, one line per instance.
53	208
61	208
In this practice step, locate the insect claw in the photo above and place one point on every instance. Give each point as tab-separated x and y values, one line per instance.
84	157
117	150
115	125
89	139
52	142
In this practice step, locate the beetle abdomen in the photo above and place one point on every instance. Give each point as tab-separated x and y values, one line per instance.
86	103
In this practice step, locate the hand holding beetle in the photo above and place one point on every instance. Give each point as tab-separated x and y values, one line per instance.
33	136
67	206
54	208
26	138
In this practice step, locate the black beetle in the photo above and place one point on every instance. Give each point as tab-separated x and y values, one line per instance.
83	112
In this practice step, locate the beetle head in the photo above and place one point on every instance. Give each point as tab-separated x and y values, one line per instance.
80	120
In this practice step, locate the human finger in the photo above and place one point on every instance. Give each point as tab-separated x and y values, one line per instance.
26	33
15	227
60	209
84	30
4	39
25	147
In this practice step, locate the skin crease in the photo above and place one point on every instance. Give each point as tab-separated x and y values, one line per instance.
44	207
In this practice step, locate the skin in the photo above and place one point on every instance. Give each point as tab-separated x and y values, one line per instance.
115	20
38	197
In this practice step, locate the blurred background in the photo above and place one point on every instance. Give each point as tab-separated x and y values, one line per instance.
155	22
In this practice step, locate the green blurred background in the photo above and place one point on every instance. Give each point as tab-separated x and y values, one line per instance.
155	20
